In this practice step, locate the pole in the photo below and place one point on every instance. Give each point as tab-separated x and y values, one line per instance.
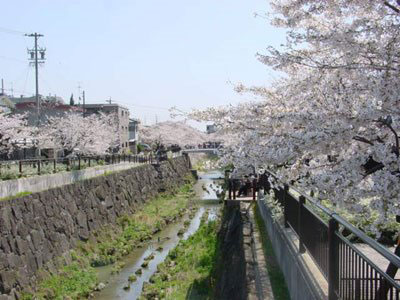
36	62
34	56
333	260
83	99
2	86
37	80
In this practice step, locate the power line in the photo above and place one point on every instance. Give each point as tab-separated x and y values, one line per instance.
13	59
26	79
11	31
144	106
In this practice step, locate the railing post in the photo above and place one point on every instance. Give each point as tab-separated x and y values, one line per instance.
79	162
284	192
333	267
38	169
54	166
20	168
234	189
89	162
302	201
230	189
254	188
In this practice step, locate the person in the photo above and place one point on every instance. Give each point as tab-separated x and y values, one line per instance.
245	186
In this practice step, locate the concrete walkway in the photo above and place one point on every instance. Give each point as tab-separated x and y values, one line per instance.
258	282
48	181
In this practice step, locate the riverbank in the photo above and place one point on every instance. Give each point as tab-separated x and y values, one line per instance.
110	244
188	270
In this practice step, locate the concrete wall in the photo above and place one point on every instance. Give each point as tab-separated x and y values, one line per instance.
37	228
298	279
44	182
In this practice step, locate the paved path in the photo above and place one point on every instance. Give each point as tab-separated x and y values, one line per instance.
258	282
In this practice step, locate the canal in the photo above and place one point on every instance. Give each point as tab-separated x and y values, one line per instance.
117	286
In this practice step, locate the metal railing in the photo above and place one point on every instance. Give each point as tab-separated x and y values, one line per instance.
350	274
30	167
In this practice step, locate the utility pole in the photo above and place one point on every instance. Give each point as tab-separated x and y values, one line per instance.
2	86
83	99
35	60
79	92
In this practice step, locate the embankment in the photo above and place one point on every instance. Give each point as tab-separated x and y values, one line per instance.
36	229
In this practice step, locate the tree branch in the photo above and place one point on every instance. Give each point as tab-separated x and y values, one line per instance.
363	139
392	7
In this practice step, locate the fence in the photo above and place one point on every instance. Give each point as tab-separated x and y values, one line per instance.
349	273
23	168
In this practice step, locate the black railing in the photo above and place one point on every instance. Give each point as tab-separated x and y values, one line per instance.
29	167
350	273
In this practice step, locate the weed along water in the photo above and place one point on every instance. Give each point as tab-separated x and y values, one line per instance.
125	279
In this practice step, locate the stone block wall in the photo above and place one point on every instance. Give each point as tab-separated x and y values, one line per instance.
39	227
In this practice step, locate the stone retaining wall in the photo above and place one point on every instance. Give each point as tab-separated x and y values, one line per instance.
39	227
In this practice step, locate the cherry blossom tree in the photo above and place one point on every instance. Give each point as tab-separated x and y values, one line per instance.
331	122
93	135
173	133
13	130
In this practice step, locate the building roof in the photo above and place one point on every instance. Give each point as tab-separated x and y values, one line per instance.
134	120
101	105
48	105
22	99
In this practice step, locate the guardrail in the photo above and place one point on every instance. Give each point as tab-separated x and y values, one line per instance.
350	274
30	167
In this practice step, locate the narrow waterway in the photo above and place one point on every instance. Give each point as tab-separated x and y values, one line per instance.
206	188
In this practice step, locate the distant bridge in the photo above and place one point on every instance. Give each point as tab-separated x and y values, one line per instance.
202	150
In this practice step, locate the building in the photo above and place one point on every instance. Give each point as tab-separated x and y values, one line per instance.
211	128
47	99
6	105
122	114
48	109
133	135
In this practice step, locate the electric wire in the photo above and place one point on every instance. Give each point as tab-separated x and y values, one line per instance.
11	31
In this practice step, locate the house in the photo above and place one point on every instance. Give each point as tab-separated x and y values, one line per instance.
6	105
211	128
48	109
133	135
122	114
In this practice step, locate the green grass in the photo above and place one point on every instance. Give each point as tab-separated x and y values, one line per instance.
18	195
72	280
132	231
109	245
278	283
187	272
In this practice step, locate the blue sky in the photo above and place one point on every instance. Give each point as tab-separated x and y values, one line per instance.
147	55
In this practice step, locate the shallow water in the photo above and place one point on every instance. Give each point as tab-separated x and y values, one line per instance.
206	189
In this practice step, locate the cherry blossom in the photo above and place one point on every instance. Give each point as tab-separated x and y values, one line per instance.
173	133
330	123
95	134
13	128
